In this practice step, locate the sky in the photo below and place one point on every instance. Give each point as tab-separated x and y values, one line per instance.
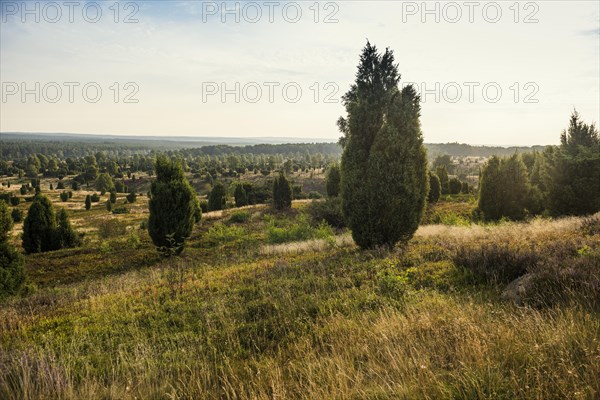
501	73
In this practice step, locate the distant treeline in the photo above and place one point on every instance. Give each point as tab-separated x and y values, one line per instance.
15	148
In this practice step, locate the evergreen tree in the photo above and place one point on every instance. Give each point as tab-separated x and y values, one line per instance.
104	183
108	206
131	197
217	197
65	235
384	165
241	197
173	204
113	197
282	192
64	196
454	186
39	226
504	189
434	188
88	202
17	215
333	181
442	173
12	274
571	172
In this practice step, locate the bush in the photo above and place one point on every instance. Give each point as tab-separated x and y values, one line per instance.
333	180
217	197
493	263
282	193
120	210
88	202
14	201
434	188
298	231
241	198
17	215
12	273
65	235
173	204
60	185
64	196
559	280
220	233
131	197
329	210
95	198
239	217
39	226
454	186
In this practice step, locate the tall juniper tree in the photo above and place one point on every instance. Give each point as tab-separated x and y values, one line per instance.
173	204
384	178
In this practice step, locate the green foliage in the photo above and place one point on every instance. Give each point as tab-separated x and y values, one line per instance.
241	198
113	197
65	235
300	230
104	183
12	273
221	233
64	196
572	171
88	202
217	197
108	205
384	165
504	189
120	210
454	186
17	215
239	217
39	226
328	210
442	174
131	197
172	206
282	192
6	221
95	198
333	180
14	201
434	188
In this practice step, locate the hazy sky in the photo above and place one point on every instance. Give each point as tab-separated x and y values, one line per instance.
492	72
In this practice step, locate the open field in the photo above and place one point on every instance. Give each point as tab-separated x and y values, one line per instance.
247	314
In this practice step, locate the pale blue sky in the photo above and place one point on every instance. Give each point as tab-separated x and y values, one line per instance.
177	52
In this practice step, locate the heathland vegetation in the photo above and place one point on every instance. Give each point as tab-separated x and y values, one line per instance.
365	270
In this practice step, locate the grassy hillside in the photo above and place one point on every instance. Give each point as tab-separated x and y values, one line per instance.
266	305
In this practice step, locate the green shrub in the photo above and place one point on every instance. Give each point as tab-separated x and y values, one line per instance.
329	210
391	285
131	197
434	188
221	233
120	210
95	198
282	192
14	201
64	196
110	227
17	215
39	226
217	197
240	217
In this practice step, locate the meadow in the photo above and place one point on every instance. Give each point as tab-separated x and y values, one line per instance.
273	305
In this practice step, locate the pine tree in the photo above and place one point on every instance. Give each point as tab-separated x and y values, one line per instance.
39	226
88	202
282	192
434	188
173	204
384	179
